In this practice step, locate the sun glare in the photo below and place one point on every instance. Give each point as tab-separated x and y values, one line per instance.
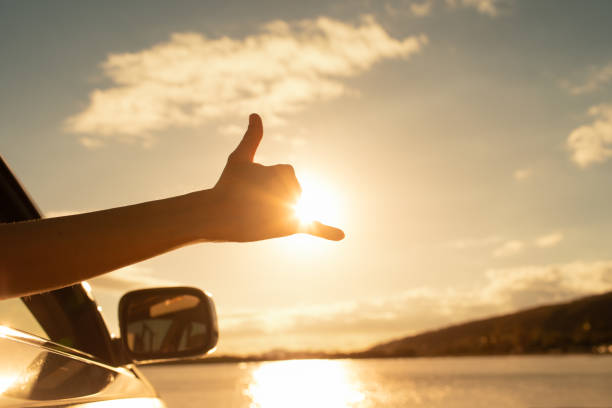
317	203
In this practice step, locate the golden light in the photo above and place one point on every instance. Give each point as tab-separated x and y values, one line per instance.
304	383
317	203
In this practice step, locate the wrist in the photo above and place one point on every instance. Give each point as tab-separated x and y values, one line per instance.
205	221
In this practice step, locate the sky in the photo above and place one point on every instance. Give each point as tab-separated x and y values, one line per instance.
464	146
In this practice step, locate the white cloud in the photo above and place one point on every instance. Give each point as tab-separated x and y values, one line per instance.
549	240
522	174
191	79
354	325
526	286
509	248
422	9
596	79
487	7
591	143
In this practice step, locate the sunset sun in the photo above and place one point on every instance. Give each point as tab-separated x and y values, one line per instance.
317	202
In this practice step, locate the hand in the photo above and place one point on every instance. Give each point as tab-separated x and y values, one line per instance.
256	202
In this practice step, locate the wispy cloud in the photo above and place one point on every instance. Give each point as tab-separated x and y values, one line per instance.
595	80
590	144
351	325
530	285
421	9
509	248
506	247
549	240
424	8
488	7
129	278
191	79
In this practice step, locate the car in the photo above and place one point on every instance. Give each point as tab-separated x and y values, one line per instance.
56	349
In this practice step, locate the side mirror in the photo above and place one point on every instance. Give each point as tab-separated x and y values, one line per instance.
167	323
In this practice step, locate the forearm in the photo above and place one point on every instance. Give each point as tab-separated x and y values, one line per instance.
56	252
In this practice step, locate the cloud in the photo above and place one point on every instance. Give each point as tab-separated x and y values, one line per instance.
526	286
354	325
513	247
596	79
522	174
424	8
509	248
487	7
128	278
421	9
192	79
550	240
590	144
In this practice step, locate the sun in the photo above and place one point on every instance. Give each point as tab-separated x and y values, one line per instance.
307	209
317	203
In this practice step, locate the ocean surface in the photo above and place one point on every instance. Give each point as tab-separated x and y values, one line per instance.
516	381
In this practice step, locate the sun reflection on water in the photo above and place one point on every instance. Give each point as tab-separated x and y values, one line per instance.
304	383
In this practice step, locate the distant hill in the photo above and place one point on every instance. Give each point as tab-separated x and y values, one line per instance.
580	326
583	325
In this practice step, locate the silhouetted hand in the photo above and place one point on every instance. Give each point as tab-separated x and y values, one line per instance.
256	202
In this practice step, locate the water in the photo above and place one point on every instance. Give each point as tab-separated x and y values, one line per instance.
525	381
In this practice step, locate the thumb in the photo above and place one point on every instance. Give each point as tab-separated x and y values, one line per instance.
321	230
248	146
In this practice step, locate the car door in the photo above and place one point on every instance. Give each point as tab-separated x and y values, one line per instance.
36	373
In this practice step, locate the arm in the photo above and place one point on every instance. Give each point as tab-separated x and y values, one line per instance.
250	202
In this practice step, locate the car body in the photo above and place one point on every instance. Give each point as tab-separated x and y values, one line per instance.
55	347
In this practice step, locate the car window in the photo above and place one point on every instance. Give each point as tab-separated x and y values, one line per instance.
15	314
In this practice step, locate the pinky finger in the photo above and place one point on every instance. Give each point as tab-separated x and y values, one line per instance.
321	230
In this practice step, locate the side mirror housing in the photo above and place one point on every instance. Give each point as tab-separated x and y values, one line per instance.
167	323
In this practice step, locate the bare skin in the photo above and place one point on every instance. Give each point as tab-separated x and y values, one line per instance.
250	202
